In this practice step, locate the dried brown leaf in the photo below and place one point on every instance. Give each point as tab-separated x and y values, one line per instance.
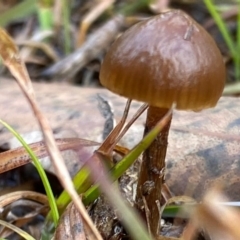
71	225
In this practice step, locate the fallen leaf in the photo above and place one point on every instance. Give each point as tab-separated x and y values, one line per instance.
70	226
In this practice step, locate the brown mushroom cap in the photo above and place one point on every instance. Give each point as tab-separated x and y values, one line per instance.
167	58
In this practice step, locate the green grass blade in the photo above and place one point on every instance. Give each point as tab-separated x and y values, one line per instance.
45	18
66	26
238	44
21	10
226	35
221	25
129	8
52	202
81	182
173	211
46	3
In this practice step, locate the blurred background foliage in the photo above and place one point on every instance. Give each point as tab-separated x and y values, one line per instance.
49	30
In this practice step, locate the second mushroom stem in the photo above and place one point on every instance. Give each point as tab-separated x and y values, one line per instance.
152	170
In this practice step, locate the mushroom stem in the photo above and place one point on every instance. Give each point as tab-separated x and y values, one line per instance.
152	170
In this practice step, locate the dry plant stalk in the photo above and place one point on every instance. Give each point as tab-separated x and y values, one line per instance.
90	17
106	146
10	56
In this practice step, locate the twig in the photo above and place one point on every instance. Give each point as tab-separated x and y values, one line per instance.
98	41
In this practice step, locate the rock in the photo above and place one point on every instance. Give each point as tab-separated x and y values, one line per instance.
204	147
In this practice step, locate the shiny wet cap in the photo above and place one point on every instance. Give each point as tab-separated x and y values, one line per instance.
167	58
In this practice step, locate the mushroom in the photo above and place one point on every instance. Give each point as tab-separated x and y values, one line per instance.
166	59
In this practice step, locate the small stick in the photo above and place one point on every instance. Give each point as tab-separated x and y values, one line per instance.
129	124
104	148
95	44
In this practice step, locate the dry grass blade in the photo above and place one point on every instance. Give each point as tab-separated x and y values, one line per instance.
34	210
129	124
89	18
39	45
36	201
17	230
106	146
17	157
221	222
17	68
14	196
9	54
